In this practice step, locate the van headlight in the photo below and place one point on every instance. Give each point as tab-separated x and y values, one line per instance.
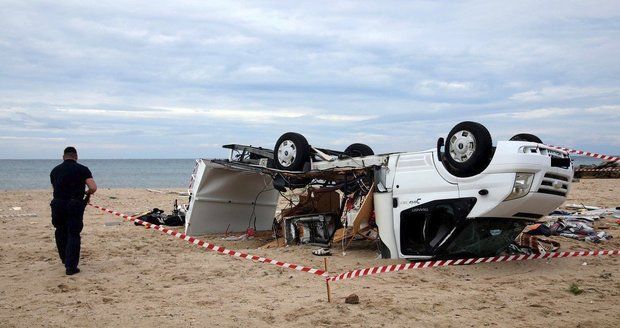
521	186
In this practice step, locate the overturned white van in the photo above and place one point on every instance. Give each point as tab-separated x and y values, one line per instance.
464	197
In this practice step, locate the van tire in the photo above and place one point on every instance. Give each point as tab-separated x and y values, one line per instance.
358	150
526	137
468	149
291	152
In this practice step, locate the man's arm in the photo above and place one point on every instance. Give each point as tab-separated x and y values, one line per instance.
92	186
89	181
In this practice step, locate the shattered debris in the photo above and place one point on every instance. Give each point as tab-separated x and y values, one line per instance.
575	221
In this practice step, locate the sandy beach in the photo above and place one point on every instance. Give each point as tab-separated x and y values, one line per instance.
137	277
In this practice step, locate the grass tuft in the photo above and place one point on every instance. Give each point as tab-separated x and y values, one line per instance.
574	289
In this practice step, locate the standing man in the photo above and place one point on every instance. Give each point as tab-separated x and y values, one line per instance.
69	180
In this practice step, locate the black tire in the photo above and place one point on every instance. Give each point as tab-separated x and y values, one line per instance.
358	150
526	137
294	154
468	149
281	182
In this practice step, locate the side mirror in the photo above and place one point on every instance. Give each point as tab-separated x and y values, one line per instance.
440	144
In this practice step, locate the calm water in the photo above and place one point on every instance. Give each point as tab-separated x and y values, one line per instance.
108	173
119	173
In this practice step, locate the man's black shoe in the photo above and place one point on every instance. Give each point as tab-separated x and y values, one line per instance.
71	272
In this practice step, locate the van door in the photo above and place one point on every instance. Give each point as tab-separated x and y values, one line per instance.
416	183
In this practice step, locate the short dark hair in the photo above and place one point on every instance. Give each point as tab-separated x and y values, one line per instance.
71	151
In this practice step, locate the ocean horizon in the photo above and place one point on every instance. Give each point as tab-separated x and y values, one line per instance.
108	173
121	173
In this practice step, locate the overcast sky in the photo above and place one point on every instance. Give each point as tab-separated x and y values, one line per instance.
177	79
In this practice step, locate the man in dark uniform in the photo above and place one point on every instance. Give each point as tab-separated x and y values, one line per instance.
69	180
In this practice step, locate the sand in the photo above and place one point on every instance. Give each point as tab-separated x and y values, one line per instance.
137	277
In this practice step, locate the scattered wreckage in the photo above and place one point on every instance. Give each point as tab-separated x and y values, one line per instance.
572	221
464	197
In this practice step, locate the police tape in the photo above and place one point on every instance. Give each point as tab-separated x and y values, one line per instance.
443	263
215	248
360	272
589	154
604	169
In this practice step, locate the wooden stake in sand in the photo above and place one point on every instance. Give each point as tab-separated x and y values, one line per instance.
329	293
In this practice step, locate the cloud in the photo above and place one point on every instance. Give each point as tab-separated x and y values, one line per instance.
35	139
563	93
596	115
160	79
534	114
609	111
346	118
259	70
184	113
449	86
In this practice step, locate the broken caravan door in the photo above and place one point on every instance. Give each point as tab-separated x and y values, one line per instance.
420	229
227	198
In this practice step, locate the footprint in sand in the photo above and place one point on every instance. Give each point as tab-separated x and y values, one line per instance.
61	288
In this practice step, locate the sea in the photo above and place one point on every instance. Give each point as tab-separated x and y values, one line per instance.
121	173
108	173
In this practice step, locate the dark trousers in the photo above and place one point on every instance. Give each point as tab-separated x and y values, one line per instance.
67	218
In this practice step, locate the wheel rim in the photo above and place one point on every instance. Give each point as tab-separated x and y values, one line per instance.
462	146
287	152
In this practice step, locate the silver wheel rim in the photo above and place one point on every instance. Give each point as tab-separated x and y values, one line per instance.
462	146
287	152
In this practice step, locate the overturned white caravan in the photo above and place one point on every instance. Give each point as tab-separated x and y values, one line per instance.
464	197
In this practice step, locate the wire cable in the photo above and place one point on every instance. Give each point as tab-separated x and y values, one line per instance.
254	206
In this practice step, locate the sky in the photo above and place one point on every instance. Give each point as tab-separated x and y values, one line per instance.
177	79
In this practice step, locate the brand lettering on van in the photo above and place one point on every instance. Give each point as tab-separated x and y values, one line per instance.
411	202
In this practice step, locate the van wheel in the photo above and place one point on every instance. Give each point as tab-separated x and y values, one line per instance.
280	182
468	149
526	137
291	152
358	150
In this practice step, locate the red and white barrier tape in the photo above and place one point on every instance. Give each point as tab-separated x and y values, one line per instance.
442	263
605	169
360	272
215	248
589	154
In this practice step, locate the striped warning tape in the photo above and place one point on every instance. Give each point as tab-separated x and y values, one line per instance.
589	154
215	248
605	169
443	263
360	272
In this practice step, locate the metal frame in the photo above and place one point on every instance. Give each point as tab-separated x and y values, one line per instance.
327	159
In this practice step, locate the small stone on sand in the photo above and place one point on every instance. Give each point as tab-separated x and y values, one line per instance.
352	299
